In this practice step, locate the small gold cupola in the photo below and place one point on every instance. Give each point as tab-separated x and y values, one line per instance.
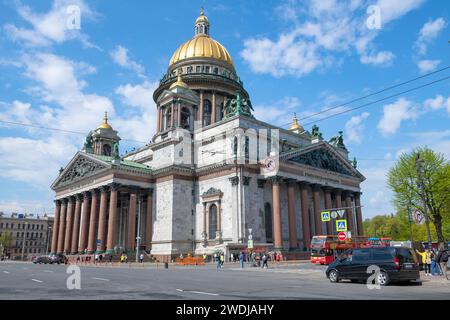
105	124
295	127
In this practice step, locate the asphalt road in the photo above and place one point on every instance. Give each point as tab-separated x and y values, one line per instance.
302	281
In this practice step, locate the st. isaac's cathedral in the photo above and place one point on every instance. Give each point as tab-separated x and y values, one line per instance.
196	187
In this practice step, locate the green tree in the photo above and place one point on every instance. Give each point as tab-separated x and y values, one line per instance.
404	181
5	241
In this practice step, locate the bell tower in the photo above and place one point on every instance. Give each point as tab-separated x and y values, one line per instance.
101	141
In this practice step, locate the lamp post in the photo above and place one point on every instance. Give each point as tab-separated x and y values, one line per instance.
419	167
138	238
49	232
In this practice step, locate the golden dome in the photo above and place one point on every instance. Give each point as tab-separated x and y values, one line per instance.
201	46
179	83
296	126
105	124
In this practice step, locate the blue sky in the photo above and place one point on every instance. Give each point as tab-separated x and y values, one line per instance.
293	56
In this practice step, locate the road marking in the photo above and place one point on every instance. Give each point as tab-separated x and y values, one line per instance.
7	272
100	279
49	271
198	292
35	280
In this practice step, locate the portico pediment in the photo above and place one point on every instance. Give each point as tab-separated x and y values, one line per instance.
80	167
321	156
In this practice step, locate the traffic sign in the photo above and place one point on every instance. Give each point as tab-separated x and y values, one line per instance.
250	244
340	213
341	225
418	216
334	214
349	234
325	216
342	236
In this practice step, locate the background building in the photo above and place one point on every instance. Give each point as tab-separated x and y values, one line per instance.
30	234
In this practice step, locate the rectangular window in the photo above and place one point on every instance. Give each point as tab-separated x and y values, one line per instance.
361	255
207	69
198	69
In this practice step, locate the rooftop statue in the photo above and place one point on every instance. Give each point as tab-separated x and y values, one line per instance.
338	140
315	133
88	143
238	106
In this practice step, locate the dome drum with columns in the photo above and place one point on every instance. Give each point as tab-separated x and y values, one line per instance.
191	199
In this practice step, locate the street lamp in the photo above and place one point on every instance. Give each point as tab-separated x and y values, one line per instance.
138	238
49	232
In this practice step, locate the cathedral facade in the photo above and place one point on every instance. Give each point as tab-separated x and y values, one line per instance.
212	177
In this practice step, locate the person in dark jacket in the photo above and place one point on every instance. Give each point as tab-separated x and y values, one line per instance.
442	259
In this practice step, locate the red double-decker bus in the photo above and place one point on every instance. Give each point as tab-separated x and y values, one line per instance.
325	248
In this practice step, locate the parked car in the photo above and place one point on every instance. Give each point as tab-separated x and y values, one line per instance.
395	263
58	258
41	259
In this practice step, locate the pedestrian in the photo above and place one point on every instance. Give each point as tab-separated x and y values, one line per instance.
264	261
126	258
100	258
442	259
231	257
222	260
241	259
218	263
426	261
110	258
96	259
122	258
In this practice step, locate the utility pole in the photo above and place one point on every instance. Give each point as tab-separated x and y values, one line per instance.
419	166
409	221
49	229
138	238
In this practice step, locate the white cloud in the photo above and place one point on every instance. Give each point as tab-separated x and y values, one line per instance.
354	128
394	114
120	56
427	65
429	32
391	10
318	31
52	26
280	112
139	123
382	58
439	102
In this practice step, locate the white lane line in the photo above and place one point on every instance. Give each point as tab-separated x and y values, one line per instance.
36	280
7	272
198	292
49	271
101	279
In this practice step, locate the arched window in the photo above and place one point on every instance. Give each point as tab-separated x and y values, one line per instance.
212	222
167	118
207	111
268	222
106	150
185	118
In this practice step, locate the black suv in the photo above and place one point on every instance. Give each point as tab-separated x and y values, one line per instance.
394	263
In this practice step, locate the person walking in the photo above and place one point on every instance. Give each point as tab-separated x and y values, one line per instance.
219	263
241	259
264	261
141	258
442	259
426	261
110	258
122	258
222	260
